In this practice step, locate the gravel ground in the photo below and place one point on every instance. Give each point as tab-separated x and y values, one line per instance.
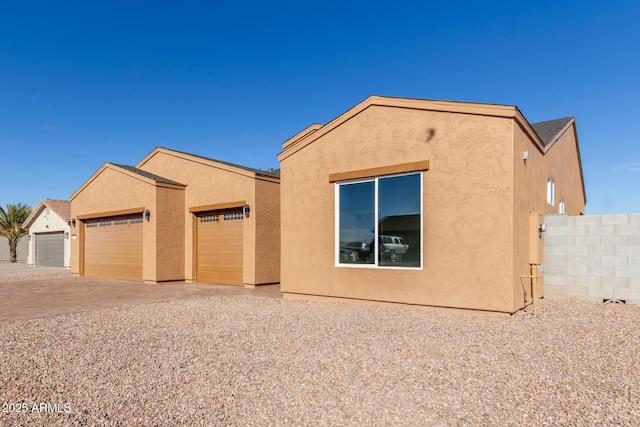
259	361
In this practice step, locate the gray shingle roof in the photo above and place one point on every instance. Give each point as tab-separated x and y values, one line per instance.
146	174
271	172
549	129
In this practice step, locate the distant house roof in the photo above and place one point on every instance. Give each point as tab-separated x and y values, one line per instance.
62	208
393	223
548	130
146	174
271	172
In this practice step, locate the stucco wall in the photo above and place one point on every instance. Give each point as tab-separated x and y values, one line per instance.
47	222
467	195
211	185
559	163
267	218
593	257
105	193
169	213
22	251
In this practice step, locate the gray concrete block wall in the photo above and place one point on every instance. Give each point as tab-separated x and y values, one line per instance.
22	251
592	257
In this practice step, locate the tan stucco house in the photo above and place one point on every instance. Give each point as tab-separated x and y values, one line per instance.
426	203
49	234
178	217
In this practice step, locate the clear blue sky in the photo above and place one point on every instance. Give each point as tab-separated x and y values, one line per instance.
84	82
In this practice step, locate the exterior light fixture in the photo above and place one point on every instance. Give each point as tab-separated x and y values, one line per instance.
147	214
73	223
525	155
541	229
246	210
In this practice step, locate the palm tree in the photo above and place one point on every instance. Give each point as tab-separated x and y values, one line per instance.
11	221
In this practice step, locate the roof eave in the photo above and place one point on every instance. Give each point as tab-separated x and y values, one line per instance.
530	131
209	162
307	136
133	175
34	214
565	128
545	148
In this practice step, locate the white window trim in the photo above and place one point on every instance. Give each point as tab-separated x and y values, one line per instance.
336	248
551	189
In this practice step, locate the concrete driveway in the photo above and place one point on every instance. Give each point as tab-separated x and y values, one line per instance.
33	292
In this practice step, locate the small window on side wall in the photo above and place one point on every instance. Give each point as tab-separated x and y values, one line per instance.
551	188
379	222
561	207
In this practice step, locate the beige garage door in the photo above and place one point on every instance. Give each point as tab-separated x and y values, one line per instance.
219	247
113	247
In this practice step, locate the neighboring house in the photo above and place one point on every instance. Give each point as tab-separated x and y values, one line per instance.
177	216
22	251
48	237
458	188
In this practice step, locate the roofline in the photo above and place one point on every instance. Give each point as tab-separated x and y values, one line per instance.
575	134
570	123
210	162
530	131
134	175
313	132
27	222
39	207
145	174
561	132
302	134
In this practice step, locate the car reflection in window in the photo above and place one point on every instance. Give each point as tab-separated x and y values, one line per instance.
392	248
356	252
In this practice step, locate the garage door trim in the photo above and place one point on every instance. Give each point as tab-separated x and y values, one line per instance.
217	207
110	213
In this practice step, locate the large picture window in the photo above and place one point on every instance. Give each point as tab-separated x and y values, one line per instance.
379	222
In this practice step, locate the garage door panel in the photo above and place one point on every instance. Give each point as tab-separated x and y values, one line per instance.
233	253
50	249
113	248
229	266
219	257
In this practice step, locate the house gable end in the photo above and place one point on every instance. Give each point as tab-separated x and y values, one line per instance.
126	170
272	175
552	131
314	132
62	208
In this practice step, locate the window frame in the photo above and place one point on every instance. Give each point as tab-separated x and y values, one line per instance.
375	179
551	192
